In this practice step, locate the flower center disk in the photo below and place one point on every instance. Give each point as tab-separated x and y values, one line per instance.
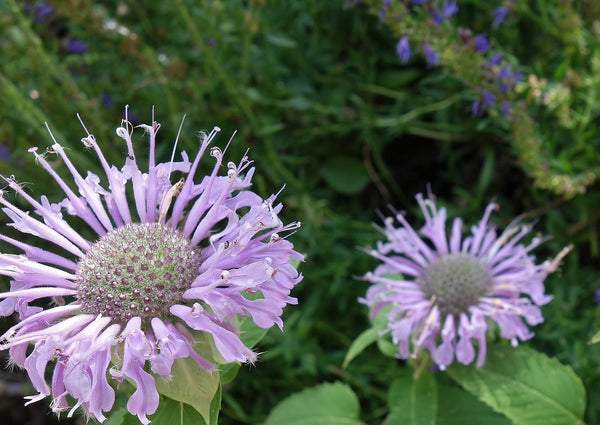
457	281
139	269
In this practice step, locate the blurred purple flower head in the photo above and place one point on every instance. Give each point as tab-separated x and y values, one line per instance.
488	98
106	99
505	107
480	43
495	59
517	76
75	45
41	11
438	290
597	295
480	105
4	153
500	13
504	72
403	49
449	8
476	107
431	56
180	256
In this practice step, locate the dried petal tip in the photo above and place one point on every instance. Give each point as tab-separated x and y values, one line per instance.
439	289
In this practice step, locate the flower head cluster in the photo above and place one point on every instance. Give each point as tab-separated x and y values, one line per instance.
167	259
438	294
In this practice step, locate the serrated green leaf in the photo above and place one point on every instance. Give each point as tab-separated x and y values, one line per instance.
191	384
413	401
326	404
526	386
365	339
345	174
456	406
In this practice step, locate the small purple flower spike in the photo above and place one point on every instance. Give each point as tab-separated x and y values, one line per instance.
438	289
75	45
449	8
480	43
431	56
403	49
500	13
166	259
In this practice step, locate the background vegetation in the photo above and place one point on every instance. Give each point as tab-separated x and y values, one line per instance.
317	92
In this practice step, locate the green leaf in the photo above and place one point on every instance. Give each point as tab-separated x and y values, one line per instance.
191	384
171	412
250	334
526	386
119	411
215	406
595	339
456	406
228	372
345	174
326	404
387	347
365	339
116	416
281	40
413	401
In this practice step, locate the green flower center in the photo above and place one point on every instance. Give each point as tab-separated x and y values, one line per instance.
457	281
139	269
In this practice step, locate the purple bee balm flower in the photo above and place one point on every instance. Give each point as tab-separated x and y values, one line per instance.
437	290
168	261
480	43
431	56
403	49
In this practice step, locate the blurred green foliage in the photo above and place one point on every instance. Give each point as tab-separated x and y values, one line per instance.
315	90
